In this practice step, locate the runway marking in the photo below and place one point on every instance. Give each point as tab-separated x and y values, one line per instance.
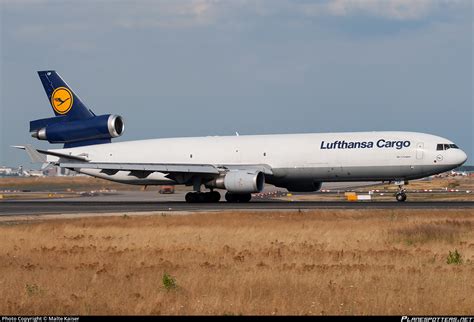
9	208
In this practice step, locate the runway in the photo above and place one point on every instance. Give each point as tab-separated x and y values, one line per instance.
10	208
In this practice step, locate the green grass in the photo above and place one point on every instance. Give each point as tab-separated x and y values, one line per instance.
169	282
454	258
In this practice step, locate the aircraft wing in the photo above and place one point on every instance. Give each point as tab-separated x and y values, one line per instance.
265	168
81	162
167	167
149	167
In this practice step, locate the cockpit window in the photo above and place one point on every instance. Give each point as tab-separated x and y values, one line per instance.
441	147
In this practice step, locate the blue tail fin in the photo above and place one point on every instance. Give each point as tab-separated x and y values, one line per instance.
73	124
62	98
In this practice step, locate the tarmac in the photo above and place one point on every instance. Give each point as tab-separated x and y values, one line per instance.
15	208
150	201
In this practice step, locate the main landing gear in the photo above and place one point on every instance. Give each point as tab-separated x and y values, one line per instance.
214	196
194	197
401	194
238	197
198	196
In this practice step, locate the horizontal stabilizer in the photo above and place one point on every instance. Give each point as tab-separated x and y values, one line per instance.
34	155
63	155
39	155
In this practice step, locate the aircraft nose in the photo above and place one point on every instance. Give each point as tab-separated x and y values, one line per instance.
462	157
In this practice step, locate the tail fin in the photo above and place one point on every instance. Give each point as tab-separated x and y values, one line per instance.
62	98
73	124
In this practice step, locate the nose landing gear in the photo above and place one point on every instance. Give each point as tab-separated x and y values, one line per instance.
401	194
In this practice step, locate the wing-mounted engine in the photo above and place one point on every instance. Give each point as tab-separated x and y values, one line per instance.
239	181
57	130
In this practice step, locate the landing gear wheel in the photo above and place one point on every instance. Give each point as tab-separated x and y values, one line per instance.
245	197
194	197
191	197
215	196
202	197
230	197
401	196
238	197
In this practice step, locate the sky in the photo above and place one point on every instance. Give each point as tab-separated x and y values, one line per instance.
209	67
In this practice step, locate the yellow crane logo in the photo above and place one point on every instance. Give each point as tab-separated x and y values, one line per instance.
62	100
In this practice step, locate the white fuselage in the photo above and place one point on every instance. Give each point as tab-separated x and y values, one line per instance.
293	158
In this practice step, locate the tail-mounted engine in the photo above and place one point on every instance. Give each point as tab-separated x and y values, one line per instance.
58	130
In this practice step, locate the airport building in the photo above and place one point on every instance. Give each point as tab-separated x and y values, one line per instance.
51	171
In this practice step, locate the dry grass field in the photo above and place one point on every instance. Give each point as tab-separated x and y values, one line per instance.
77	183
232	263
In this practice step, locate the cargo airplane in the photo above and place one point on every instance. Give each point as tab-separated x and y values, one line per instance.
239	164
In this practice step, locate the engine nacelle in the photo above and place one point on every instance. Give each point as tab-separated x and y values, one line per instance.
310	186
239	181
99	127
